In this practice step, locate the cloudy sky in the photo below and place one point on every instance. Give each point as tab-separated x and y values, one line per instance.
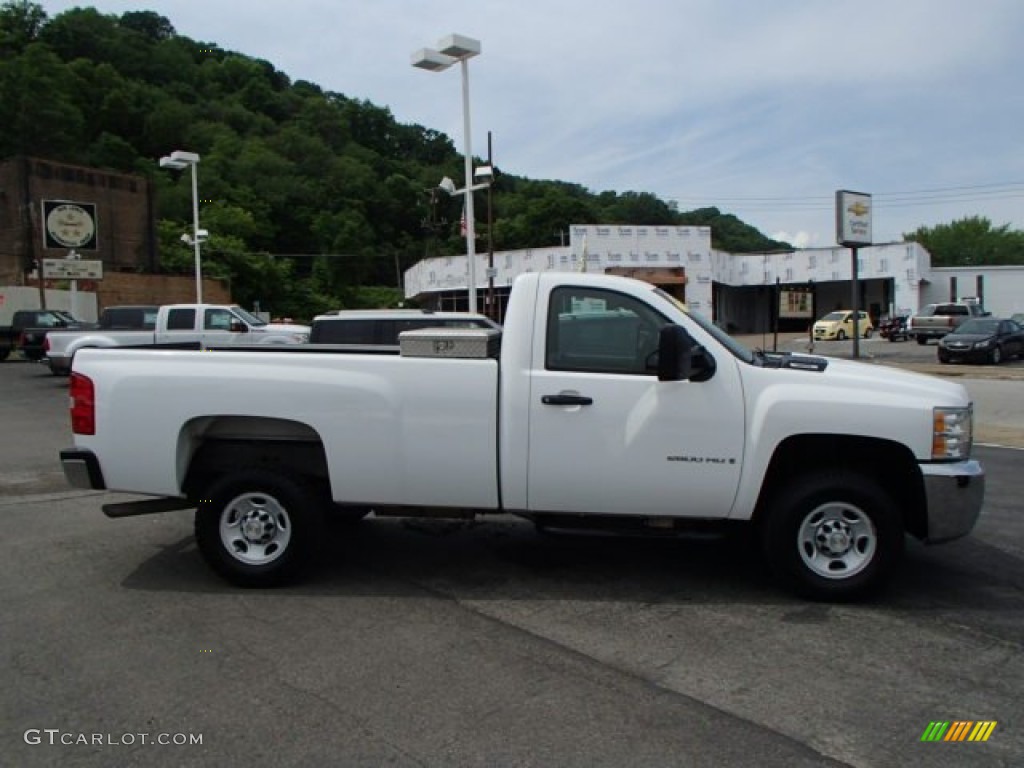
763	109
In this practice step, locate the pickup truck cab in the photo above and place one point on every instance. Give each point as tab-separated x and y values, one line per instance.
606	405
28	330
181	326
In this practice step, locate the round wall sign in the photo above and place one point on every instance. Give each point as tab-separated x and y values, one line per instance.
70	225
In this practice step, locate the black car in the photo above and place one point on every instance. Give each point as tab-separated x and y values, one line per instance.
983	339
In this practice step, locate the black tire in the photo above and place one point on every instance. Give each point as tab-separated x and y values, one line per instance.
996	355
841	336
943	357
4	354
922	340
867	333
846	511
260	529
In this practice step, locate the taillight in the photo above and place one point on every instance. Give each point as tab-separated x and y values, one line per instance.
83	405
46	343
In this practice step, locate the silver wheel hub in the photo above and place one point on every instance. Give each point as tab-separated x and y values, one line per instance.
258	527
837	540
255	528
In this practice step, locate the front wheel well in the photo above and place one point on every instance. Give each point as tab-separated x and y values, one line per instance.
890	463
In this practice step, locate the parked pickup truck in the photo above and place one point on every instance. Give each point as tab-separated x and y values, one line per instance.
181	326
936	320
28	329
606	405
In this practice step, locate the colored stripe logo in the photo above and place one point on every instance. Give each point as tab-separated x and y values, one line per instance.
959	730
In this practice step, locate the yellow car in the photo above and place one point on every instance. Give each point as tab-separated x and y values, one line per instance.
839	325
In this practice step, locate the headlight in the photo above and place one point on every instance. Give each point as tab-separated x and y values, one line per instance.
952	433
983	344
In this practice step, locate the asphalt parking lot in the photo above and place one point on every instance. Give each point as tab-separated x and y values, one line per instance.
427	643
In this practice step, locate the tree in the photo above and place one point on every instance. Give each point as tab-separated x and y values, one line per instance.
20	23
970	241
37	108
728	233
287	168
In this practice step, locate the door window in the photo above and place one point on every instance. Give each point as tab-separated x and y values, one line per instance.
181	320
601	331
217	320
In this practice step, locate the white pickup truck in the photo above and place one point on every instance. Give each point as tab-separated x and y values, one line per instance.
609	406
178	326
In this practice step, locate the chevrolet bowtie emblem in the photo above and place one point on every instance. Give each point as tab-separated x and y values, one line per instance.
858	209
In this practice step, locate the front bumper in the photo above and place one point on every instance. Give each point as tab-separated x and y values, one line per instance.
954	494
965	355
82	469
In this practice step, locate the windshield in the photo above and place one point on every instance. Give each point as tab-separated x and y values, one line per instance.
979	326
250	318
833	317
721	336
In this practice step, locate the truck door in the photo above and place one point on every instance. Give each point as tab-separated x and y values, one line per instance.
179	327
217	328
606	437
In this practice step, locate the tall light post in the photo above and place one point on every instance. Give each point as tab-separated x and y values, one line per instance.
179	160
450	49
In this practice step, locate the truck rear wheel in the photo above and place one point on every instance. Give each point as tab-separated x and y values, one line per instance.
259	528
833	536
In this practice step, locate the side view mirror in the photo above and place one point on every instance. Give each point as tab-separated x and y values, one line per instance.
680	358
237	326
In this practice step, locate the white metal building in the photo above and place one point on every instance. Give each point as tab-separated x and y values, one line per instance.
742	292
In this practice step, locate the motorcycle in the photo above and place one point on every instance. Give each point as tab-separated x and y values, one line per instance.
895	328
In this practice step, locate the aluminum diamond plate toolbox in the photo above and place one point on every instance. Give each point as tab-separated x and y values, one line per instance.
450	342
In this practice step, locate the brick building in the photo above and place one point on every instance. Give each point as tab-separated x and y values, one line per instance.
48	209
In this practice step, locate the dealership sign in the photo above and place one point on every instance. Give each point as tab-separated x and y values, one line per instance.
69	225
853	218
72	269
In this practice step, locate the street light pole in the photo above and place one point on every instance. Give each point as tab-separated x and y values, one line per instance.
468	169
178	161
459	48
195	230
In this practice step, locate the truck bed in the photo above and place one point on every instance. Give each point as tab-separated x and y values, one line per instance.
412	449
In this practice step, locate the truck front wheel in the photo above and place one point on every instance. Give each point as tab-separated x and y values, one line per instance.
833	536
258	528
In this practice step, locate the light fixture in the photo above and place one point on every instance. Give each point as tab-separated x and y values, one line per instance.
179	160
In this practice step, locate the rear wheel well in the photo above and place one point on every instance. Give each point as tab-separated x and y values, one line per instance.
216	457
888	462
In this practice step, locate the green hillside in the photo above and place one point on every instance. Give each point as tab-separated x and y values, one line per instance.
333	186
